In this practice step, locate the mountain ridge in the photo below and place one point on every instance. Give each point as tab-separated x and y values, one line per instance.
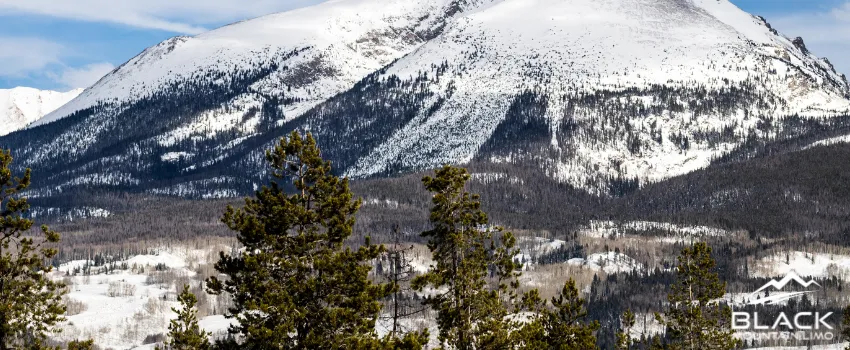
22	106
601	95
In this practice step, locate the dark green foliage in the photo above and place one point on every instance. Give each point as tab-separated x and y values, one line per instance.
524	129
81	345
410	341
184	332
695	318
30	303
560	325
473	264
296	285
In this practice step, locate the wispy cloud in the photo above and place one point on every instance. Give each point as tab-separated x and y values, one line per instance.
46	62
82	77
183	16
826	33
20	56
26	57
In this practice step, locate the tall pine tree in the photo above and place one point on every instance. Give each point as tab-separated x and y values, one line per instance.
695	318
30	302
474	268
295	285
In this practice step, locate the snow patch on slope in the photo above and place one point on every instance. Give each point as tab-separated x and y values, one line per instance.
804	264
610	262
830	141
664	232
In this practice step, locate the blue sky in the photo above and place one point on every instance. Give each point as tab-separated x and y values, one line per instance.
64	44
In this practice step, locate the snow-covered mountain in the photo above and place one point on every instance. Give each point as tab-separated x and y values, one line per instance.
600	94
22	106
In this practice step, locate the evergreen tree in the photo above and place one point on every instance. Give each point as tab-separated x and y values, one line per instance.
184	332
30	303
560	326
696	319
296	285
624	337
473	265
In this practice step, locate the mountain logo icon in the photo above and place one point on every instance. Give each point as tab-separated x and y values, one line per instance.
775	295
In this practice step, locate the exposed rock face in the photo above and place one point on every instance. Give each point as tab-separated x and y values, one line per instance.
798	42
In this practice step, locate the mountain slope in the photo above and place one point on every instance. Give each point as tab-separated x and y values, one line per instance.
602	95
22	106
575	47
325	50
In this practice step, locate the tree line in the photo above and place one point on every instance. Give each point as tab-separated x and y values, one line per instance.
300	282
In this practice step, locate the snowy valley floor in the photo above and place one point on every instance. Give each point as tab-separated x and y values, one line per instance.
126	303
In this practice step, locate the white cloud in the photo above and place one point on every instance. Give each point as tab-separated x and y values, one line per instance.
177	16
82	77
20	56
25	57
826	34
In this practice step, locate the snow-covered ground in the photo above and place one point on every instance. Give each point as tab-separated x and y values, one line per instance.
609	262
830	141
539	244
804	264
662	231
121	304
70	214
127	303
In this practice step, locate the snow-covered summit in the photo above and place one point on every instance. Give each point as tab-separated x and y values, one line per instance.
22	106
335	44
600	94
580	42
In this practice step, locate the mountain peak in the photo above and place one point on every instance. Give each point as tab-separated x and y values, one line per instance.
22	106
599	94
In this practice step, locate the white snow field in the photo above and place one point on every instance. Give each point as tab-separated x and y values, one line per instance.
662	231
121	306
804	264
609	262
22	106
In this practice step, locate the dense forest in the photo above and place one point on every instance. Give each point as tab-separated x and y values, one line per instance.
767	205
